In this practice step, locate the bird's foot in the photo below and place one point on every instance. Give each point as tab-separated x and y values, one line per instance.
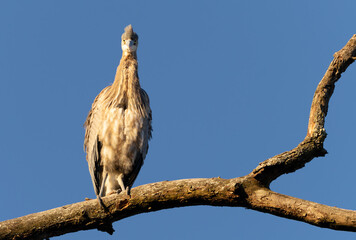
101	202
128	192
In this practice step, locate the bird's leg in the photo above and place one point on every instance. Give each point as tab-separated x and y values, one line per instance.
102	190
122	185
128	191
100	201
103	185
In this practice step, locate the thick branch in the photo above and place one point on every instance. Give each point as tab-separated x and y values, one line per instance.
152	197
265	200
312	145
238	192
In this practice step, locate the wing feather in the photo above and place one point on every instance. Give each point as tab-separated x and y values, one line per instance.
147	128
147	134
146	102
92	144
137	167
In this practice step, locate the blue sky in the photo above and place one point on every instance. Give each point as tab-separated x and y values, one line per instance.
230	83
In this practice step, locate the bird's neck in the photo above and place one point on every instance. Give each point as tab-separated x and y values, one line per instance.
126	87
127	72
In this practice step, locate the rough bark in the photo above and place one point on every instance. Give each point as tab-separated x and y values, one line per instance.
251	191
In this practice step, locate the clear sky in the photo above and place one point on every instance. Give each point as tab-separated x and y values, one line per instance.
230	83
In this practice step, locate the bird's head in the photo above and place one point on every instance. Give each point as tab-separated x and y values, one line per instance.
129	41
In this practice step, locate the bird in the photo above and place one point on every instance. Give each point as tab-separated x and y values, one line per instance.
119	126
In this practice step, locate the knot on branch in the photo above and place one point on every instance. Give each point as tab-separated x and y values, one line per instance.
240	190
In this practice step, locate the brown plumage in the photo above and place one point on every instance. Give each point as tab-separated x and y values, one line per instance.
118	126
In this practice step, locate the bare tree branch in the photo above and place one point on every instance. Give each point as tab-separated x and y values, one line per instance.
238	192
312	145
250	191
265	200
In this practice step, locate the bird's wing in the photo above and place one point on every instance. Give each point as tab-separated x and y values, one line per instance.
147	124
92	144
137	166
145	136
146	102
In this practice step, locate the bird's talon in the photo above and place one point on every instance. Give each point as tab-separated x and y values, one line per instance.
101	202
128	192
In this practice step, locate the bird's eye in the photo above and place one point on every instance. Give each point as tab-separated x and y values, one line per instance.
124	41
135	42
